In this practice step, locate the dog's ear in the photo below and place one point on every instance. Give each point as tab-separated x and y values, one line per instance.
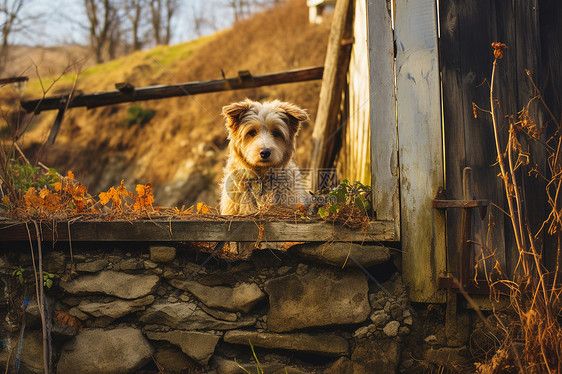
295	115
234	113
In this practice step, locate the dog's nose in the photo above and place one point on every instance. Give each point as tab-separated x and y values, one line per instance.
265	153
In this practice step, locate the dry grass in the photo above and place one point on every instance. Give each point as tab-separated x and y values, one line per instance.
532	337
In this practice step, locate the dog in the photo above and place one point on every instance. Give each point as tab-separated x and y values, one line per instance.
260	170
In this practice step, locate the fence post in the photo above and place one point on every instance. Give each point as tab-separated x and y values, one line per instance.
420	148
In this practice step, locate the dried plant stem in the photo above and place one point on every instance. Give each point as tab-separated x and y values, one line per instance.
41	300
504	176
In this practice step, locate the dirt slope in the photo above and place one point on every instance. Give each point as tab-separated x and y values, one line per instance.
181	149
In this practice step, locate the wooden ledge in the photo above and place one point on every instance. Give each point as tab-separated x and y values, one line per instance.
191	230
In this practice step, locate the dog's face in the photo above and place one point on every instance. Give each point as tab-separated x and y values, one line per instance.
263	135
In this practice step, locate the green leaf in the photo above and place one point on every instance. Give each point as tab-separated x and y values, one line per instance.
322	212
361	203
340	195
49	283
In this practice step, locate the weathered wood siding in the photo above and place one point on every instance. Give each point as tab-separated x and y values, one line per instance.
532	30
355	153
382	113
418	97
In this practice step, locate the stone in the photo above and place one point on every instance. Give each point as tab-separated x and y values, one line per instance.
338	253
283	270
318	298
240	298
431	339
32	352
113	283
121	350
92	266
379	317
63	332
364	331
173	360
162	253
117	308
79	258
75	312
200	346
219	314
320	344
149	264
270	364
391	329
345	366
301	269
403	331
53	261
187	316
408	321
381	354
448	357
169	273
130	264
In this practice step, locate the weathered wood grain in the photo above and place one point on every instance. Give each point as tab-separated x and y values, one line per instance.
466	57
175	230
336	64
420	148
382	114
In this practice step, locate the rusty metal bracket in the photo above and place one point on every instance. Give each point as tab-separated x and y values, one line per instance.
464	263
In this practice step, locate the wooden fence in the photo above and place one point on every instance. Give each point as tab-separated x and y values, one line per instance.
532	30
424	74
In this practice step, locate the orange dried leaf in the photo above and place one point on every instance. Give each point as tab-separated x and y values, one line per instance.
70	175
44	193
203	208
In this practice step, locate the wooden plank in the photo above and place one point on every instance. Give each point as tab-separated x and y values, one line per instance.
382	107
174	90
453	119
550	81
175	230
528	57
420	148
356	150
333	82
466	57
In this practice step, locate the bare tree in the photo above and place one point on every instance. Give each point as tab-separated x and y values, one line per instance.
102	16
203	18
135	15
10	11
244	8
161	14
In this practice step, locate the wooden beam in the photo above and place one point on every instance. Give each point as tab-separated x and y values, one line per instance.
418	98
4	81
190	230
174	90
382	118
333	82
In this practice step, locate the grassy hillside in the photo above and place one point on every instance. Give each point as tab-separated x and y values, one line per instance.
181	148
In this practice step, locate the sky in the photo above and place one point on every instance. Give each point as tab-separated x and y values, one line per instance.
56	22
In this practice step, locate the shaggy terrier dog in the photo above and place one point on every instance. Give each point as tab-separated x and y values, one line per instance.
260	170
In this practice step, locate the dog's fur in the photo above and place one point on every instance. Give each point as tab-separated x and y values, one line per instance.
260	169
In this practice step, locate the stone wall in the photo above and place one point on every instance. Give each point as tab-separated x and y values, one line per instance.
127	308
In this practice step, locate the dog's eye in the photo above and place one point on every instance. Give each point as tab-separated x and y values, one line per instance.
252	133
276	134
